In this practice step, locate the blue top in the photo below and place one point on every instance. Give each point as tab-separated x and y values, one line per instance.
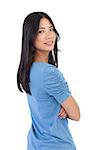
49	89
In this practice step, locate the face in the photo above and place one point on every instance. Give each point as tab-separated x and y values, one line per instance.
45	39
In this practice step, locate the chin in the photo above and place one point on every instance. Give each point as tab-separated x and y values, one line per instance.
50	49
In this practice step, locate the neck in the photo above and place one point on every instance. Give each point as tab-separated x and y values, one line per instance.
41	57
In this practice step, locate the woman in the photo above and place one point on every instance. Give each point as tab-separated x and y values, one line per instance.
49	98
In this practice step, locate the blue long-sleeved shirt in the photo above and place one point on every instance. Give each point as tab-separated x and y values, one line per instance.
49	89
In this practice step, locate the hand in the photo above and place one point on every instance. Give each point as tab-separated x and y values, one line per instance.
62	114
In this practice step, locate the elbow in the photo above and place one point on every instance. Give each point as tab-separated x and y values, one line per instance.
78	115
77	118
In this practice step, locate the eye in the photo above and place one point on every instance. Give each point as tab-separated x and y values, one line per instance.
41	31
52	29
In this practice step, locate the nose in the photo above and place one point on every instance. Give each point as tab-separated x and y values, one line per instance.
48	35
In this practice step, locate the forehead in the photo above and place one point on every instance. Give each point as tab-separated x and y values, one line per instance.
44	22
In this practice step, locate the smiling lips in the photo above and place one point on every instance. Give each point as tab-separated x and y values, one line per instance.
49	43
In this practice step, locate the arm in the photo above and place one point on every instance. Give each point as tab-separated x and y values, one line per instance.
56	86
71	108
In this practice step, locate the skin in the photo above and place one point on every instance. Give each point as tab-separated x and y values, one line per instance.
44	43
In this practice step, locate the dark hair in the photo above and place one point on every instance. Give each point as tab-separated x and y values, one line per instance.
29	31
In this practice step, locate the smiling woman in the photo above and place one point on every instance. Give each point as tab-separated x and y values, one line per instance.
44	41
48	94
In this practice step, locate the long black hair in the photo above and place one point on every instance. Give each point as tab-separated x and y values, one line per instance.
29	32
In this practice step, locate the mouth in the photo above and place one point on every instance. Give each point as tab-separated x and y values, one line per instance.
49	43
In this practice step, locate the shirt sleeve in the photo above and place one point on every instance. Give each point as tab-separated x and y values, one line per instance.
55	84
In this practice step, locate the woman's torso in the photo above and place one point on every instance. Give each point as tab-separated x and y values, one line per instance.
48	131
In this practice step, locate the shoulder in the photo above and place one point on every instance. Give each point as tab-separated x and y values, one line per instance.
51	70
53	75
55	84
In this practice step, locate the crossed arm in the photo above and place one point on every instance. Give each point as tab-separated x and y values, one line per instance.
70	109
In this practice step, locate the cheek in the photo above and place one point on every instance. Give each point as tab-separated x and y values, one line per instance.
54	36
41	38
38	40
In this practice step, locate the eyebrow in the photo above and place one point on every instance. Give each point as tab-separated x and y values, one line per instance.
44	27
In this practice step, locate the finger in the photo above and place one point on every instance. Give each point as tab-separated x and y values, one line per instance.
64	117
61	110
63	114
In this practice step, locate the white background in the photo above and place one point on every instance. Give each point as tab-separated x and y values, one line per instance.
78	22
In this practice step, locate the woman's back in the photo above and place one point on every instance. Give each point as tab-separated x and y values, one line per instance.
49	89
